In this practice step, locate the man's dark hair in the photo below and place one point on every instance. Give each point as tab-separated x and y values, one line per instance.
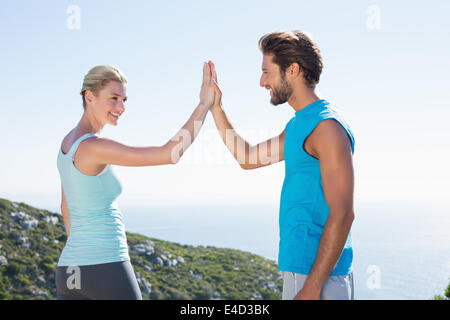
295	46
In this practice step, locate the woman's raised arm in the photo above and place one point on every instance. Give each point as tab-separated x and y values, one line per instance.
107	151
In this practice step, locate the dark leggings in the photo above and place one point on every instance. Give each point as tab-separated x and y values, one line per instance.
106	281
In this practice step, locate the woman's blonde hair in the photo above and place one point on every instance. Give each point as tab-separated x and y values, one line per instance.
98	77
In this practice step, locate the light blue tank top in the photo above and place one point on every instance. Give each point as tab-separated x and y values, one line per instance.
97	232
303	209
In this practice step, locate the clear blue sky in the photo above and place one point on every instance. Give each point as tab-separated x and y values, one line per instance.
391	85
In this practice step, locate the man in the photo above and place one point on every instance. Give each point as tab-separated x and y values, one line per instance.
316	207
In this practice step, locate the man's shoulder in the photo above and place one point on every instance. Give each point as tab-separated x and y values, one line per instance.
329	134
328	126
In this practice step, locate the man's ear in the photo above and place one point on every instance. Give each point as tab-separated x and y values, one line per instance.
294	70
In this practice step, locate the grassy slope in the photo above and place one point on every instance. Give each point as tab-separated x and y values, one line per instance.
207	272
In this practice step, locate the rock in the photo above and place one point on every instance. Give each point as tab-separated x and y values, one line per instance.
3	261
257	295
146	248
56	241
166	261
216	295
24	242
43	294
143	283
148	268
194	276
52	219
29	224
25	220
139	249
159	261
180	259
45	238
19	216
39	293
25	246
145	286
270	285
41	279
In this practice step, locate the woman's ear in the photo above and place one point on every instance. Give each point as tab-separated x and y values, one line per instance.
88	96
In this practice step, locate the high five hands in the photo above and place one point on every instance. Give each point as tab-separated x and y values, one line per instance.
217	93
207	89
210	94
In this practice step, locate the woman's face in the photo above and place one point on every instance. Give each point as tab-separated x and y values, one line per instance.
109	103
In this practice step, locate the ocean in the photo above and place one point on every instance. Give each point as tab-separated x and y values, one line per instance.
400	251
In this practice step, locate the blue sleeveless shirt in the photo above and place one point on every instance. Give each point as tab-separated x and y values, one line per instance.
97	233
303	210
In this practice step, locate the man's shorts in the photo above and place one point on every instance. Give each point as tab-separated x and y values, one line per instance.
334	288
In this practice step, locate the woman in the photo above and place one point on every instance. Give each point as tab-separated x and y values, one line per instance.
95	263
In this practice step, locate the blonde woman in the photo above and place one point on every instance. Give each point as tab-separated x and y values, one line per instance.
95	263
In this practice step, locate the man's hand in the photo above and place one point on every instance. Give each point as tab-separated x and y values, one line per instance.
306	294
217	93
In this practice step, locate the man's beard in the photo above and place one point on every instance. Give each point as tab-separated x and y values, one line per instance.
282	93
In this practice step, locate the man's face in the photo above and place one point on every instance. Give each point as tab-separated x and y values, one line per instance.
275	81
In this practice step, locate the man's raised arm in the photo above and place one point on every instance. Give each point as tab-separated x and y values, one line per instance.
248	156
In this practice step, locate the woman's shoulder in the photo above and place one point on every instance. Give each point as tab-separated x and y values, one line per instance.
94	145
71	138
67	142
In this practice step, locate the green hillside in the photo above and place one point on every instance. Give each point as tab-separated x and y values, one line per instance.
31	241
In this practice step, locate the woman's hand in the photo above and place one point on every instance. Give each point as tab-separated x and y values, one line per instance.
217	93
207	90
